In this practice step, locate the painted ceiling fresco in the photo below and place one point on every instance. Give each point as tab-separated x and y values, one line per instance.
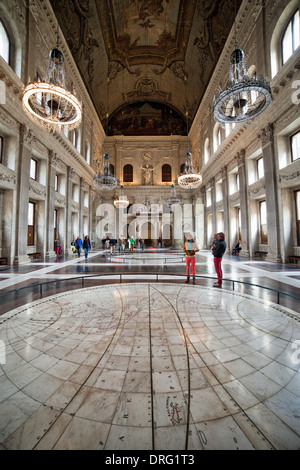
146	118
145	22
142	30
154	51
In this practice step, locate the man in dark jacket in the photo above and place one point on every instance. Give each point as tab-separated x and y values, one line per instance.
218	252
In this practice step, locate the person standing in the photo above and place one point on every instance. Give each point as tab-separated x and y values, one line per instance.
142	244
86	246
78	245
236	250
56	247
218	252
122	245
190	248
131	243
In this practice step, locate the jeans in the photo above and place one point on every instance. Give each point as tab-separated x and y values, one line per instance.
86	252
218	268
190	261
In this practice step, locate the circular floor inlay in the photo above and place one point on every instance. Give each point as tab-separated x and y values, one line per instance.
149	366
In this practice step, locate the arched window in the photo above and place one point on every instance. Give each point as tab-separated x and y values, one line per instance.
112	169
217	137
290	38
87	153
285	37
206	150
4	43
166	172
128	173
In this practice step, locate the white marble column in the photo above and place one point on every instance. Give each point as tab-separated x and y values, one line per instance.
213	205
68	211
81	204
225	205
270	170
22	195
243	203
50	202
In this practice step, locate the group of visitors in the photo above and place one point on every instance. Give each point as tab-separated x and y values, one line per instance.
218	248
114	245
190	248
78	244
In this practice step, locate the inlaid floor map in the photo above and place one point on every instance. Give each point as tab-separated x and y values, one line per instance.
150	366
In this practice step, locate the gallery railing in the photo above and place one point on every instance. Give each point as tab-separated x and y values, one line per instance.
12	298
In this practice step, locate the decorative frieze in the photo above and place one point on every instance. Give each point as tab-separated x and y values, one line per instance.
7	176
60	199
257	189
234	199
37	189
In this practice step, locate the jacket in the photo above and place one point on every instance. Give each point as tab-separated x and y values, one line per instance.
190	248
78	243
219	250
86	243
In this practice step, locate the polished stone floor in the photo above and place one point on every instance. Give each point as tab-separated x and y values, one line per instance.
150	363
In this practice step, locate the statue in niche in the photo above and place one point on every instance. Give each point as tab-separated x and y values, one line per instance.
147	174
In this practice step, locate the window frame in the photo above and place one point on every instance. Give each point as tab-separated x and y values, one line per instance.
291	146
237	181
166	173
291	23
8	43
258	161
263	224
56	182
30	227
35	169
1	148
297	211
128	175
55	219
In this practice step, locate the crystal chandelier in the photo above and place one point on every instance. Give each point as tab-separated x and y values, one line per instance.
245	97
48	103
105	181
173	199
122	201
189	179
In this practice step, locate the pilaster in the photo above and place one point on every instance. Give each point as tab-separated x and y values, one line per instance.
50	205
22	196
270	171
243	203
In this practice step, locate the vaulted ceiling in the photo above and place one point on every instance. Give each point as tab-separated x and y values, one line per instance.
158	54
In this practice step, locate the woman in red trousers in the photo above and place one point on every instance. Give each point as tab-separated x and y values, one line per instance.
218	252
190	248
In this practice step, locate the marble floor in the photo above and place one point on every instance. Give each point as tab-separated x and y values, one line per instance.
147	365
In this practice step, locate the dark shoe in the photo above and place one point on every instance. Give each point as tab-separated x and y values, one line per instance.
194	280
187	281
218	285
